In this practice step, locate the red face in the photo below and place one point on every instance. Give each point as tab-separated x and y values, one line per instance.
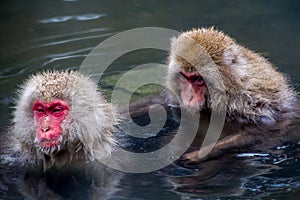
193	88
49	117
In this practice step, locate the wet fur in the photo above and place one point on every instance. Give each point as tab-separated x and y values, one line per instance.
87	131
255	90
256	93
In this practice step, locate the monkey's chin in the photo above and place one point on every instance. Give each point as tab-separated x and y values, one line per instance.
194	106
48	144
190	110
49	147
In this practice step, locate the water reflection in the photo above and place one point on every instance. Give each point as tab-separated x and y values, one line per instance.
232	177
224	177
40	35
244	172
84	17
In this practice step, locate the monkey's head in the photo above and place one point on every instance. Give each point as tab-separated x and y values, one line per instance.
61	116
205	64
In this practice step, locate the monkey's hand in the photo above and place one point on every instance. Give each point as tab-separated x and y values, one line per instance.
200	155
212	151
192	157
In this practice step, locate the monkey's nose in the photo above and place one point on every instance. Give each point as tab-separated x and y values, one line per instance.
45	129
45	125
191	97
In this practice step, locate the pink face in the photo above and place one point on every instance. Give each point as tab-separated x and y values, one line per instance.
193	88
49	117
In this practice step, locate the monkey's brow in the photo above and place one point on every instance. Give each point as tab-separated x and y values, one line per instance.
182	74
38	105
57	105
191	77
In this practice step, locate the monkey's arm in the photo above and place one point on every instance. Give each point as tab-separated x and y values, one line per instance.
237	141
141	107
256	137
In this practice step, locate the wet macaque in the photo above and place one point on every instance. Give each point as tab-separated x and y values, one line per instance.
206	64
60	118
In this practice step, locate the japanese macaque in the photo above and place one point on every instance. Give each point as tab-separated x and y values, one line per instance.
208	69
60	118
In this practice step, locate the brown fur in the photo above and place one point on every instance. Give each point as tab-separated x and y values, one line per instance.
87	131
255	90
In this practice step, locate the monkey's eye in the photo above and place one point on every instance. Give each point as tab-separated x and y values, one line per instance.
57	110
40	110
198	80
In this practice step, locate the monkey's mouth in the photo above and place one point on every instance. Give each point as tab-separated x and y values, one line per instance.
49	146
48	143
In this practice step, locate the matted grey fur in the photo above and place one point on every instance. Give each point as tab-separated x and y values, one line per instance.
255	90
87	130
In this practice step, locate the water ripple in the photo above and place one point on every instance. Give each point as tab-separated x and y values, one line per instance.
68	53
55	40
73	40
62	58
253	155
84	17
73	33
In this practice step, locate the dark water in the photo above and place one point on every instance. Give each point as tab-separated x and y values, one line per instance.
39	35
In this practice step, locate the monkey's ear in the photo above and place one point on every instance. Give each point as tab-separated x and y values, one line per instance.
233	56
